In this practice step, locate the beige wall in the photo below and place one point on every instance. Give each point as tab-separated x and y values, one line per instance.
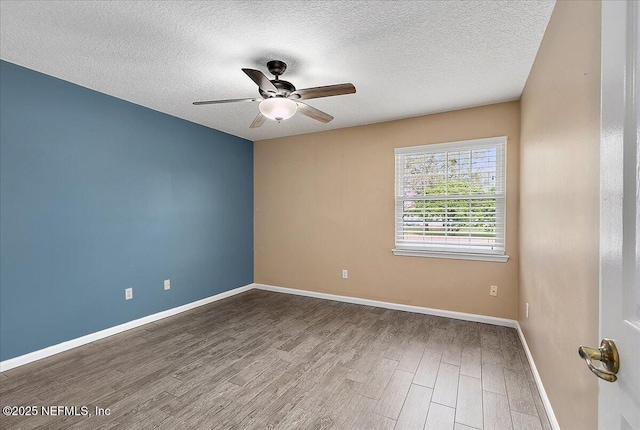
559	194
325	202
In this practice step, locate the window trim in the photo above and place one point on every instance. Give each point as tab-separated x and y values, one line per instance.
462	253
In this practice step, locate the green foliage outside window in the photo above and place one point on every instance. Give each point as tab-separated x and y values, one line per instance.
450	176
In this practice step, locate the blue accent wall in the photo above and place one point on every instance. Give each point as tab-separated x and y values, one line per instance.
98	195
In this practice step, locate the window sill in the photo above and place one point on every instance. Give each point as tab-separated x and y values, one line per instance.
451	255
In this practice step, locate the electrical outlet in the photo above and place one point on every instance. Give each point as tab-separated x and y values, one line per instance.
167	284
128	294
345	273
493	290
526	310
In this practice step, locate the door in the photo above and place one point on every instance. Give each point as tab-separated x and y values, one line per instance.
619	402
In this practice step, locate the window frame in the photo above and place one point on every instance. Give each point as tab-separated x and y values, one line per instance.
451	251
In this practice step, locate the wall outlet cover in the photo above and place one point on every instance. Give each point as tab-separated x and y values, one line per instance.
167	284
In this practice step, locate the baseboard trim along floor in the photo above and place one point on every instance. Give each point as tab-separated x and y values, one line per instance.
394	306
543	394
83	340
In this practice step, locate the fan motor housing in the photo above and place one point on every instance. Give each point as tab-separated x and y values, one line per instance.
284	88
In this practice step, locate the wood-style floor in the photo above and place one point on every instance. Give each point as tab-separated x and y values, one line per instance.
263	360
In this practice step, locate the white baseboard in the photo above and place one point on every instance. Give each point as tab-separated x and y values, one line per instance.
536	376
83	340
395	306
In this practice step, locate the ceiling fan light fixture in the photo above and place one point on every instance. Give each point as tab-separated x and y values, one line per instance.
278	108
281	99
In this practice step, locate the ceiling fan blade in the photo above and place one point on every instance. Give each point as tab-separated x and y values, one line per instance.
260	119
314	113
327	91
263	82
213	102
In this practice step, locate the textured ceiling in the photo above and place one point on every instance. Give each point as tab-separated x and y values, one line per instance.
406	58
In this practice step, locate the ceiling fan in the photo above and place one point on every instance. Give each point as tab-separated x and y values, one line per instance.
280	99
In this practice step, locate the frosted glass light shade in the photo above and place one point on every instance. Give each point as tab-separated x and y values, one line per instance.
278	108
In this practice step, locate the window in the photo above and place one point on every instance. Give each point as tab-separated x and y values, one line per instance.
450	200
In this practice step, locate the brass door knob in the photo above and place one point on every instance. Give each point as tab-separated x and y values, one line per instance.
607	354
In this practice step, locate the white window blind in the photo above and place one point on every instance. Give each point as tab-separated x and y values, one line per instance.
450	198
